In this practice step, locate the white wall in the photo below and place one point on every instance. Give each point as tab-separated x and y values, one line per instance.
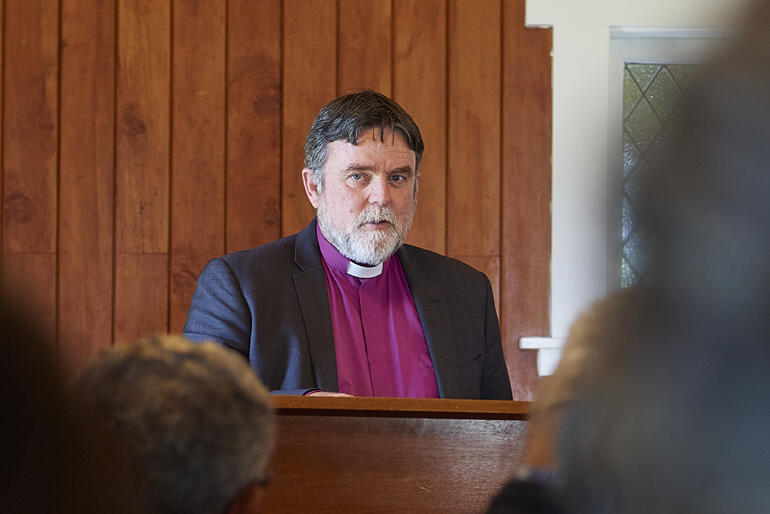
581	76
643	13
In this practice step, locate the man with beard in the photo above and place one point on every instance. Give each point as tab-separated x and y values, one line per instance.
344	307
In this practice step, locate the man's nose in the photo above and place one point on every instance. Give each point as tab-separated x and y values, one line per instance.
379	192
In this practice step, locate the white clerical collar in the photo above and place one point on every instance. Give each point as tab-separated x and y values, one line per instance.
364	271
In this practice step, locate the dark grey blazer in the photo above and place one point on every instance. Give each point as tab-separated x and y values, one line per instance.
270	304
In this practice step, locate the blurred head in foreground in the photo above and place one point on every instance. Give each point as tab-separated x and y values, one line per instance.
194	418
53	458
681	424
590	350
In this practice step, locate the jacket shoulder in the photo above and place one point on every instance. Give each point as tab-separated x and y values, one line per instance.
272	257
431	262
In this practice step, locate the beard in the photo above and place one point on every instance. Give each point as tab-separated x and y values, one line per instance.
362	246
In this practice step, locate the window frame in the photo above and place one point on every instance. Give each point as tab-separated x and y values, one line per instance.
640	46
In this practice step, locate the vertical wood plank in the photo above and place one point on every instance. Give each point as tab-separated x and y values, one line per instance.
140	277
473	214
142	168
86	180
309	82
419	85
364	46
526	229
29	159
198	147
253	123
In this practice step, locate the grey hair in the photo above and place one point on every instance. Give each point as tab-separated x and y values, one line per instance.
193	417
342	119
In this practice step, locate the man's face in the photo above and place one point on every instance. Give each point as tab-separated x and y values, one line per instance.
369	195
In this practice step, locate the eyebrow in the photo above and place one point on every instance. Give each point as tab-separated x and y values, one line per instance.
359	167
407	170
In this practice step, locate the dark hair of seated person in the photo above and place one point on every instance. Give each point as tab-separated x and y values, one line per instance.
53	457
526	495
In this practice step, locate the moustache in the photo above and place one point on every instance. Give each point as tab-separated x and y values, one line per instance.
375	214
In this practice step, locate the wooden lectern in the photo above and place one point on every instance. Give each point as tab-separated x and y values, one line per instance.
392	454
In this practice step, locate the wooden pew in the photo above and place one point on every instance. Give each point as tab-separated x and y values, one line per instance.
392	454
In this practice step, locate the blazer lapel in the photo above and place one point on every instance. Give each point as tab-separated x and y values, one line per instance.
310	285
431	303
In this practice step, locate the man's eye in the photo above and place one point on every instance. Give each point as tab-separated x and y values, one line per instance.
356	176
398	178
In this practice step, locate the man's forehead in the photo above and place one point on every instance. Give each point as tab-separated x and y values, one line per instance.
374	143
385	135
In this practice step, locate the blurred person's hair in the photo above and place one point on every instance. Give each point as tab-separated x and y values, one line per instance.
707	207
593	340
54	458
591	349
195	418
681	424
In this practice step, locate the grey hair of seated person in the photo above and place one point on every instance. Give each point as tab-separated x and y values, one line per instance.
194	418
681	423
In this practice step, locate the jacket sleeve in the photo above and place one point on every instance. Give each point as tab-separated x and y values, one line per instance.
218	310
495	382
219	313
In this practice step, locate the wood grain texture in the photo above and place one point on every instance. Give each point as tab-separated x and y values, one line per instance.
30	126
526	251
399	407
198	148
142	139
419	85
309	83
365	44
391	464
86	169
142	168
30	154
142	173
473	214
141	295
253	123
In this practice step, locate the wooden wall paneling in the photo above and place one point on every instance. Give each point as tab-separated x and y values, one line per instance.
365	44
527	177
309	82
86	208
419	85
473	214
198	147
253	123
141	295
29	159
142	168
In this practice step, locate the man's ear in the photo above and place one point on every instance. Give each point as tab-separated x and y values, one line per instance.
248	501
311	189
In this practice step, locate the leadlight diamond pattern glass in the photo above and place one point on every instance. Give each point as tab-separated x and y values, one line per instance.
651	96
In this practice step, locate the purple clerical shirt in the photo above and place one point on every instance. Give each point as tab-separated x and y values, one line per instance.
378	338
